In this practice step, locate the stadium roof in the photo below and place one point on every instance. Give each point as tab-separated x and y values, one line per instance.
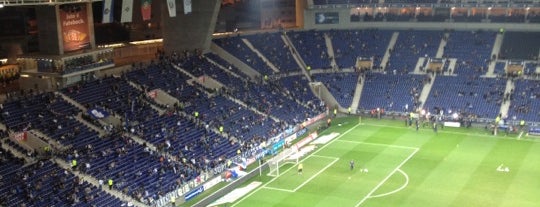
4	3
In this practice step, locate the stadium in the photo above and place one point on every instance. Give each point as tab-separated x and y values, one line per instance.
269	103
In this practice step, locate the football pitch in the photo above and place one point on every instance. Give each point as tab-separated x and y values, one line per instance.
453	167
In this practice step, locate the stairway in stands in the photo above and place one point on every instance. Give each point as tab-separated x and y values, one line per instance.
426	90
357	94
391	45
330	51
495	53
505	106
272	66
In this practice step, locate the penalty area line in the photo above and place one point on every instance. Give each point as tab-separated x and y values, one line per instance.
316	174
318	150
278	189
378	144
396	190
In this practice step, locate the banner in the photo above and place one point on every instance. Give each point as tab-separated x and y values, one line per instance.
171	5
534	131
98	113
127	11
187	6
306	140
146	9
21	136
107	11
193	193
152	94
74	25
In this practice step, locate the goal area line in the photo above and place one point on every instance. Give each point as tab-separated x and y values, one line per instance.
334	160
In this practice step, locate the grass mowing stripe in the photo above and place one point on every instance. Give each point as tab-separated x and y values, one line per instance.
524	189
457	158
316	174
386	178
491	183
337	138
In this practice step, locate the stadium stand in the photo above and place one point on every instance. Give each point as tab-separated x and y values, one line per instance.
499	68
46	184
472	50
520	46
312	48
250	111
410	46
240	50
341	85
525	100
391	92
350	44
467	94
278	52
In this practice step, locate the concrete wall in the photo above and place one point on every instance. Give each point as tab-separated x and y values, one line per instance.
320	90
189	31
345	23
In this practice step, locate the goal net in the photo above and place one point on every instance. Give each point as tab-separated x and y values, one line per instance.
283	157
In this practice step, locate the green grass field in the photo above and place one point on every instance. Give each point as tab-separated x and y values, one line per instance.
454	167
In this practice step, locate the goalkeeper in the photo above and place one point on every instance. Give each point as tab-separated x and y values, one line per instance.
300	168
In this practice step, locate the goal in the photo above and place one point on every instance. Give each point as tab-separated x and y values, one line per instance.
283	157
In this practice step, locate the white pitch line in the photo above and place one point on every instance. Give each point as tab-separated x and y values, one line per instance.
323	156
324	146
278	189
379	144
460	133
385	179
316	174
396	190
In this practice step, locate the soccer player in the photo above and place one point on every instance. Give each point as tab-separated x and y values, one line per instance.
417	125
351	164
300	167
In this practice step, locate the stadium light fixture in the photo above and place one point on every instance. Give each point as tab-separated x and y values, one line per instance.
1	6
455	115
528	8
453	7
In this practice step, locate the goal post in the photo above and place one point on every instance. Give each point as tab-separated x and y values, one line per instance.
283	157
